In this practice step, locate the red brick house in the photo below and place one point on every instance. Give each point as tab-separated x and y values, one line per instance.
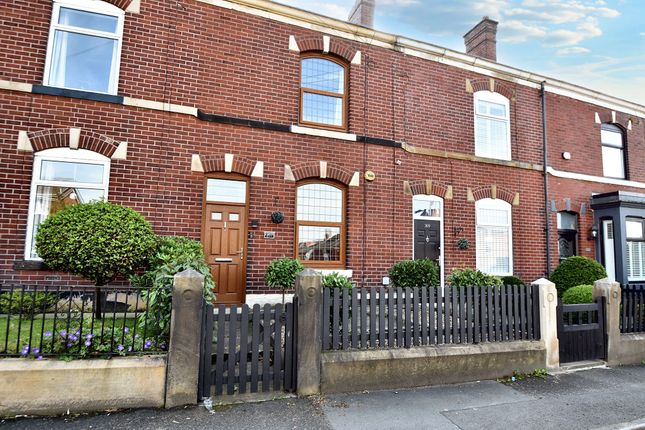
264	131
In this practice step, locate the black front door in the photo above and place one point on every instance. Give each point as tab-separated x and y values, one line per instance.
427	240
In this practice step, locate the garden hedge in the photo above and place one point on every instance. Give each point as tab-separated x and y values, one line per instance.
576	271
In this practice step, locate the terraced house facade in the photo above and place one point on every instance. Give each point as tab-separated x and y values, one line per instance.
266	131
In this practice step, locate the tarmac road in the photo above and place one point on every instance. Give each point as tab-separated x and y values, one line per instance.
591	399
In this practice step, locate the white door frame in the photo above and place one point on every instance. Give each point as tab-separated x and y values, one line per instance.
433	198
608	249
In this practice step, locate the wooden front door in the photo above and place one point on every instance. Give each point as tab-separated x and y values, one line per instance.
225	249
427	240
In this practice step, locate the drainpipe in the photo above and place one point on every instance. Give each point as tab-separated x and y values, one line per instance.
547	228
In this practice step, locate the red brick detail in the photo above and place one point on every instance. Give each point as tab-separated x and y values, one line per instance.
501	88
336	47
312	170
59	138
121	4
419	187
215	163
486	192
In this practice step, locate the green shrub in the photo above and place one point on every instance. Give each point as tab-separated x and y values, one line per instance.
16	302
512	280
578	294
576	271
281	273
336	280
415	273
98	241
473	278
173	254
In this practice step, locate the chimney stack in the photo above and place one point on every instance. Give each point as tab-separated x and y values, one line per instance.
481	40
362	13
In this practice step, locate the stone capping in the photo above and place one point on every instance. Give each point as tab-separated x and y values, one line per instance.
217	163
493	192
492	85
60	138
566	204
313	170
336	47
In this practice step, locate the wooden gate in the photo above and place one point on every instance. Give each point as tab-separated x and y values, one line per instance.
247	350
581	331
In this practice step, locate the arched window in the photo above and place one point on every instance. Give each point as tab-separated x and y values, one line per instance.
613	151
492	126
567	234
323	92
63	177
320	225
84	48
494	237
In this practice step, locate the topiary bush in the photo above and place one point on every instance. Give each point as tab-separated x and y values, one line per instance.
576	271
336	280
512	280
578	294
98	241
172	254
415	273
281	273
473	278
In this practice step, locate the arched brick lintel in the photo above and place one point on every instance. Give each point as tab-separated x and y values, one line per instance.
313	170
498	87
494	192
60	138
421	187
336	47
217	163
121	4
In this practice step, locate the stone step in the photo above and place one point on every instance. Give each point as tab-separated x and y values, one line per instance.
577	366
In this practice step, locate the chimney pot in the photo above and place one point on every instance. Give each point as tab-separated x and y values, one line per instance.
481	40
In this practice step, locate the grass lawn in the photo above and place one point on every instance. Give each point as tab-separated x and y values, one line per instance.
18	338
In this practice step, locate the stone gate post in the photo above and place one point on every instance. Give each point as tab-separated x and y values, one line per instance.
549	321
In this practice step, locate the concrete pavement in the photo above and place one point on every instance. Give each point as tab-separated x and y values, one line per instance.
592	399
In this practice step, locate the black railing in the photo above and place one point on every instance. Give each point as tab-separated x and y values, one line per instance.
632	309
45	321
401	318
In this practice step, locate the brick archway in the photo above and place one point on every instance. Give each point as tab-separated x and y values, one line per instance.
336	47
315	170
492	85
121	4
494	192
61	138
429	187
217	163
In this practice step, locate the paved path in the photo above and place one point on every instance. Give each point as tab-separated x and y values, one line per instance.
592	399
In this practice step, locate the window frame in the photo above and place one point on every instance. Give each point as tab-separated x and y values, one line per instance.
340	264
344	97
613	128
497	98
97	7
639	241
489	203
80	156
564	232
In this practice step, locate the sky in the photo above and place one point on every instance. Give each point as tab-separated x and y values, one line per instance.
598	44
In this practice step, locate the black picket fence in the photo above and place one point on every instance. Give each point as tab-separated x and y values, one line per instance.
45	321
632	310
401	318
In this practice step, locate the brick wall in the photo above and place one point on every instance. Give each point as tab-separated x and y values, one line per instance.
230	63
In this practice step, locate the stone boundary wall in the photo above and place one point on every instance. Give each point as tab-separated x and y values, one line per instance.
53	387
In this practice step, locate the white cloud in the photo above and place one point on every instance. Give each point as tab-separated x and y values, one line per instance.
519	32
643	33
572	50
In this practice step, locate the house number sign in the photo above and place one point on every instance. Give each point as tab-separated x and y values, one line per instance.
269	234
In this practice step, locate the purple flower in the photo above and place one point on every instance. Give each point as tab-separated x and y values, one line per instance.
89	336
73	338
25	350
40	357
48	334
120	348
78	333
63	333
88	342
125	329
147	344
163	346
36	351
136	336
69	345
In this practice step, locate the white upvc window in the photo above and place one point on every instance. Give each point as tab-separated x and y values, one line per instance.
613	151
494	237
492	126
635	233
63	177
84	48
